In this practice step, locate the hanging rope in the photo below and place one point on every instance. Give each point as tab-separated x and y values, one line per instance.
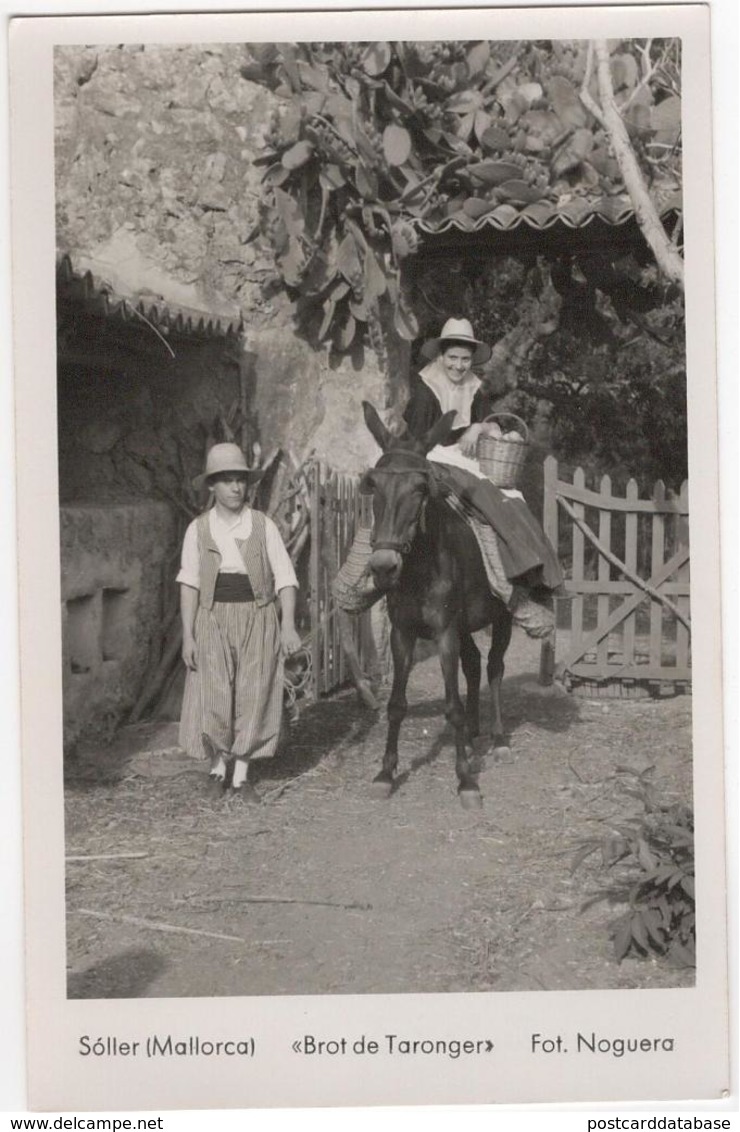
297	681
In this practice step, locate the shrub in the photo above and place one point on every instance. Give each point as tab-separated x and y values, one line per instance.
651	858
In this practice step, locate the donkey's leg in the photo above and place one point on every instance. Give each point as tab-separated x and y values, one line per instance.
471	666
500	637
449	655
402	647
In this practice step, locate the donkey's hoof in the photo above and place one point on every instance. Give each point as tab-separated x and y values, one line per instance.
470	799
381	788
500	749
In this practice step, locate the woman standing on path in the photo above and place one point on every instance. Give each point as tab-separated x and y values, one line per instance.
234	563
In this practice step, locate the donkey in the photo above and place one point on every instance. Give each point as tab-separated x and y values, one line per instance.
427	561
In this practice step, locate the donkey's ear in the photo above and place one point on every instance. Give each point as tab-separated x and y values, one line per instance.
439	432
380	433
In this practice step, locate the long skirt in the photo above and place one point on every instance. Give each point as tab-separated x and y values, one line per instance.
236	694
526	553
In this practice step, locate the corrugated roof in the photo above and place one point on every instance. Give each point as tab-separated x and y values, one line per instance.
99	297
542	215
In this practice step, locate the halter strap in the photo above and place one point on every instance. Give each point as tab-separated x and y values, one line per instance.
417	464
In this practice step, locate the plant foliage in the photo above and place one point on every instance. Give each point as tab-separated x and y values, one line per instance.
651	857
373	138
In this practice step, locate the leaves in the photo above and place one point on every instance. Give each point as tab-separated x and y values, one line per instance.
345	333
477	58
376	59
277	174
572	153
290	212
495	140
375	282
625	72
665	119
425	130
403	239
332	177
348	260
566	102
493	172
396	145
366	181
466	102
329	307
652	851
644	856
623	939
475	207
531	92
297	155
638	115
290	123
639	932
519	192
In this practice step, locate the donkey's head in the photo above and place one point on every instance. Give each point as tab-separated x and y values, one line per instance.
401	483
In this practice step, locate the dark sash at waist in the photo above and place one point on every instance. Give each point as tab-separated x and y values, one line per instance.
233	587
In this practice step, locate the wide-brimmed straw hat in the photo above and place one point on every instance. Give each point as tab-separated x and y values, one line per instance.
226	458
457	330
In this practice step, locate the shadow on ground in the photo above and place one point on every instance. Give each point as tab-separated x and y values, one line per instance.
523	701
322	728
126	975
150	749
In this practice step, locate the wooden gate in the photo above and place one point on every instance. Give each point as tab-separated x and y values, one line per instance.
337	507
626	561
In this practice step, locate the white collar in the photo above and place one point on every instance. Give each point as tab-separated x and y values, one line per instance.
229	524
450	396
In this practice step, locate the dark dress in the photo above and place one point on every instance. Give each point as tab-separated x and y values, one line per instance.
526	553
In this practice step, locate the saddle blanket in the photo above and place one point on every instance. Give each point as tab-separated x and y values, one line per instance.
353	590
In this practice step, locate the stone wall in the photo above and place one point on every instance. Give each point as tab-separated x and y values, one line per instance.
138	409
157	194
154	150
115	566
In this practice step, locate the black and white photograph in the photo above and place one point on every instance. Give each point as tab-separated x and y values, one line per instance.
373	520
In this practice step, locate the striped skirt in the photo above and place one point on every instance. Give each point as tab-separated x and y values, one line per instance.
236	694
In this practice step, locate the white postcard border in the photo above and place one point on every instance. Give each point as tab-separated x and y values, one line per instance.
57	1080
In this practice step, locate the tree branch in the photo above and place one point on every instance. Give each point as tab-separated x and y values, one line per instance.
666	255
590	104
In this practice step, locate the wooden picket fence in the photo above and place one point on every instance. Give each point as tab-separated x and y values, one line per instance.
627	584
337	507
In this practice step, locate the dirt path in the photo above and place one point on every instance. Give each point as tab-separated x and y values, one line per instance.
324	890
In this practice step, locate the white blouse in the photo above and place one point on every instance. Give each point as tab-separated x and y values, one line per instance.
225	532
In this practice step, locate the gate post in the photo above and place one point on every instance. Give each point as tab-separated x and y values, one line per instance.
550	524
315	578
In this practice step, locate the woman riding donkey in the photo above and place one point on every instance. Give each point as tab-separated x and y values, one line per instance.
448	384
433	555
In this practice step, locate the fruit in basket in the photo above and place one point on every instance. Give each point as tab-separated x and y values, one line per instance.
492	428
513	435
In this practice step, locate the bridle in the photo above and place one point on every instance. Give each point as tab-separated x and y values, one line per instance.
402	546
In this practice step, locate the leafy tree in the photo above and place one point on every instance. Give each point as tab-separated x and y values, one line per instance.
374	138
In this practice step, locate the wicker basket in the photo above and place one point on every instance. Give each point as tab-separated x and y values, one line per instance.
353	587
502	460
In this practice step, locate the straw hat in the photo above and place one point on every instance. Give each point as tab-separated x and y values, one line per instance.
457	330
226	458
